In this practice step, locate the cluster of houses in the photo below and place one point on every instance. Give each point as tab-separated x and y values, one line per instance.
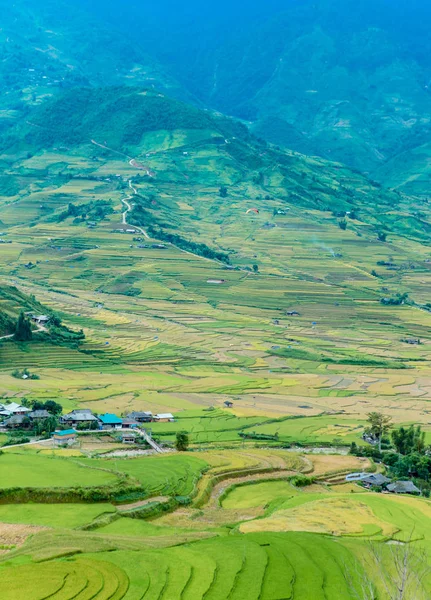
14	416
85	419
370	480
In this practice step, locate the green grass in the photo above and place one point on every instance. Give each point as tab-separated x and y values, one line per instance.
30	470
64	516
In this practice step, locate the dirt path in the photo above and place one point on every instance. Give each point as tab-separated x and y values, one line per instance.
141	503
11	335
125	201
27	444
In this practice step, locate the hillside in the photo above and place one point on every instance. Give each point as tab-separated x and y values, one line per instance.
186	146
12	302
184	246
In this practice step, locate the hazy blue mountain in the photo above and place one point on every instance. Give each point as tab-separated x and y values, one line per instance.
348	80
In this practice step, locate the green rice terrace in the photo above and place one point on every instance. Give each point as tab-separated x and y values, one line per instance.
213	524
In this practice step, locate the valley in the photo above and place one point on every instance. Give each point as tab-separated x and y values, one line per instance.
215	334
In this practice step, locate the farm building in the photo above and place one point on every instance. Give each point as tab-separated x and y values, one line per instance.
164	418
64	438
356	476
141	417
403	487
110	421
228	404
128	437
81	416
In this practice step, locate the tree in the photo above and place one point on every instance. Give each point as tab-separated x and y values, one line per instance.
23	329
255	268
382	236
379	426
182	441
53	407
223	191
403	569
408	440
342	224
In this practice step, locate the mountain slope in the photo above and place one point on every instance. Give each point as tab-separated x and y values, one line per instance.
346	80
175	139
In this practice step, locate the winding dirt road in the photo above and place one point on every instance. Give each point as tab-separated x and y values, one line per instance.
125	201
134	163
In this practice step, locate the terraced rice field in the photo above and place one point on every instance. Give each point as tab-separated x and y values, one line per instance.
160	475
253	566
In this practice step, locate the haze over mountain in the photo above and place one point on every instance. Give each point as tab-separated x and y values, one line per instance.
344	79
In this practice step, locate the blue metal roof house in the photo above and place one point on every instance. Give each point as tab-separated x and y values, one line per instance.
109	421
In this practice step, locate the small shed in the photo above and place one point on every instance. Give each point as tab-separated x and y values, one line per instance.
67	437
164	418
128	437
228	404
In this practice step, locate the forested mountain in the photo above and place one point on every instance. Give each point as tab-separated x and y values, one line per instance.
343	79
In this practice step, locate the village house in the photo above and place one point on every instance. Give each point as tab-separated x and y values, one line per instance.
39	415
15	422
64	438
228	404
141	417
164	418
79	417
403	487
8	410
109	421
375	479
